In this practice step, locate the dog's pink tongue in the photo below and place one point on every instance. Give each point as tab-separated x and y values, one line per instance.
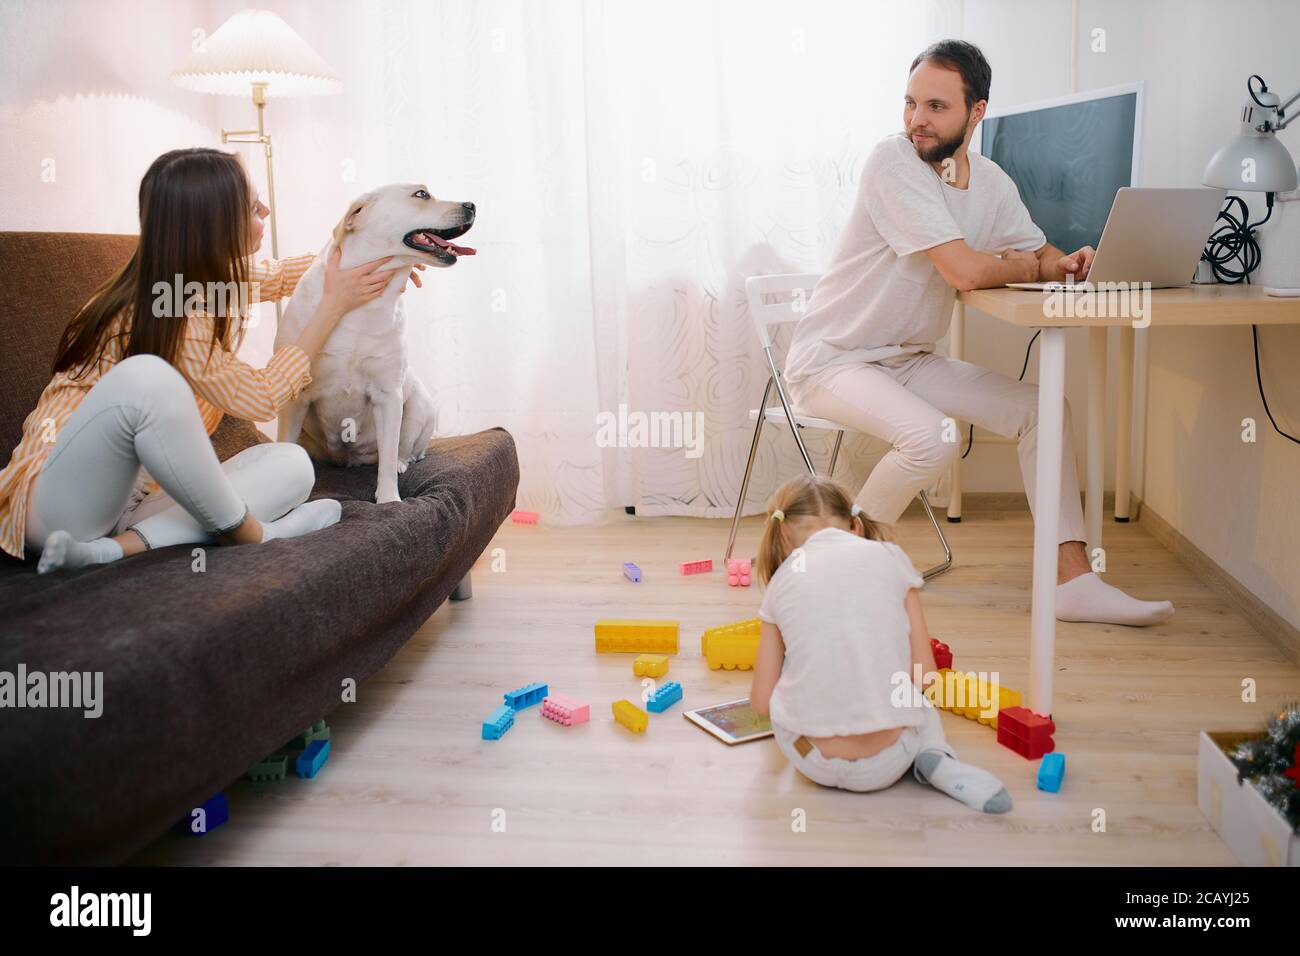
447	244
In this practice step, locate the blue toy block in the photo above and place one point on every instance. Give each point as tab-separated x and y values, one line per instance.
526	696
1051	772
313	758
663	698
498	722
632	572
215	812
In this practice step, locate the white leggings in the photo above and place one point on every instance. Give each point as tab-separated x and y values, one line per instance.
904	400
142	412
876	772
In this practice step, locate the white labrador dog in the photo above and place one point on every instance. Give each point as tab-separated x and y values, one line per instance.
364	405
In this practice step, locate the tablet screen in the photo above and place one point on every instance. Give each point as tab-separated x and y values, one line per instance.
734	721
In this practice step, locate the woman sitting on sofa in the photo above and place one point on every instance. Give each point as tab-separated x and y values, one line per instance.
142	380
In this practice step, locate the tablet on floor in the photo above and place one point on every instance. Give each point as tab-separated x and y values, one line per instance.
733	722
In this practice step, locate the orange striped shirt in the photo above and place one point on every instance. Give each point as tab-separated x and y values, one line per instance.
222	384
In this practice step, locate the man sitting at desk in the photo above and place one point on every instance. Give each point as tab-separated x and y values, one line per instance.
930	218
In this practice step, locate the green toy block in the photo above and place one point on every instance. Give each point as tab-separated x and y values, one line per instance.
273	767
317	731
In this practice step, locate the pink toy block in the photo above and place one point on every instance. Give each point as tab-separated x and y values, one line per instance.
523	517
738	572
565	710
697	567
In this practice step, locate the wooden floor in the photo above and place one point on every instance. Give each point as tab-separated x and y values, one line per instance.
410	782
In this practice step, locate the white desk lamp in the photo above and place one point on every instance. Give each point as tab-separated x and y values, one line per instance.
256	50
1254	160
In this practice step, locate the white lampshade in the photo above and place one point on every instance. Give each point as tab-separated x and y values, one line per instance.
256	46
1272	169
1254	160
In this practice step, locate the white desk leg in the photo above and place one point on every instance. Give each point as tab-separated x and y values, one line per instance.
1124	423
957	349
1051	420
1096	451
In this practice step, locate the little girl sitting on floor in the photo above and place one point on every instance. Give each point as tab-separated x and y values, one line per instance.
842	628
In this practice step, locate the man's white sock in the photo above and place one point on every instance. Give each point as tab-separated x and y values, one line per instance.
303	519
62	551
1089	598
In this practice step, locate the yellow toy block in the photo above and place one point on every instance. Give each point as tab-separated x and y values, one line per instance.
650	665
732	646
961	693
636	637
937	693
968	696
1006	698
630	716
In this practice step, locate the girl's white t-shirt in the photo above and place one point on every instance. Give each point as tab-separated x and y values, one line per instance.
839	603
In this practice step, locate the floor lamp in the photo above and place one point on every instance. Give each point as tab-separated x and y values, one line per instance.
256	51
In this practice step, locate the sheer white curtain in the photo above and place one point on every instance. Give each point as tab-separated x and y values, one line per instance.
632	163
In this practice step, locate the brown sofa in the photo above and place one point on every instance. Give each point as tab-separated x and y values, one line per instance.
203	673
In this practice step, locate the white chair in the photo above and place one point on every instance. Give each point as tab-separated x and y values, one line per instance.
778	300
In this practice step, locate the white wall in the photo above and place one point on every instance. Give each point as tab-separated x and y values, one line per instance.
1235	501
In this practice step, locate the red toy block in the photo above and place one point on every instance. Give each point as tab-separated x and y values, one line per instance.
523	517
1025	732
942	654
697	567
738	574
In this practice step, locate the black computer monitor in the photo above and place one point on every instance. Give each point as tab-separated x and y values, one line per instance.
1069	157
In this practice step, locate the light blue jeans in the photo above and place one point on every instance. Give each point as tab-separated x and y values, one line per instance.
867	773
142	413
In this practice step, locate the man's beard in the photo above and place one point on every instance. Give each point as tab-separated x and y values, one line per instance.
943	148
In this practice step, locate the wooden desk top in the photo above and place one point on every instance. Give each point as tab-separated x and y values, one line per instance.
1192	305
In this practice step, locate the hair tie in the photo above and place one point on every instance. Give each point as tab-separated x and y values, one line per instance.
855	510
778	514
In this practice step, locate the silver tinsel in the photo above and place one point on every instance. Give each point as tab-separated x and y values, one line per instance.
1265	759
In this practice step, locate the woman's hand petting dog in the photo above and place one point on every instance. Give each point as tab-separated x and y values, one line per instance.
348	289
415	280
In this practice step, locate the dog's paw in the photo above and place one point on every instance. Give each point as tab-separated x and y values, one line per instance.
385	495
401	467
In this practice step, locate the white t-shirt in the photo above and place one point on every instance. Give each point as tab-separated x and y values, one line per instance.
846	634
881	296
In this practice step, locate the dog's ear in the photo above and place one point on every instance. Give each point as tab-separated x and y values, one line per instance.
349	221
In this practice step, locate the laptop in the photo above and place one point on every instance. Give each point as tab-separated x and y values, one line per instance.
1151	235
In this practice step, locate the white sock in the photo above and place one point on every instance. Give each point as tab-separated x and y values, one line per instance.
976	788
62	551
303	519
1089	598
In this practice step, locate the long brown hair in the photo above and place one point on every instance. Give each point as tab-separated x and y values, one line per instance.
195	215
809	495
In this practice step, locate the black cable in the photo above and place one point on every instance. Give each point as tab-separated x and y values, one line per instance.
1235	242
1025	367
970	443
1263	88
1259	380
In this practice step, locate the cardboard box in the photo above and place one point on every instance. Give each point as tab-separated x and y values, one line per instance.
1255	832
